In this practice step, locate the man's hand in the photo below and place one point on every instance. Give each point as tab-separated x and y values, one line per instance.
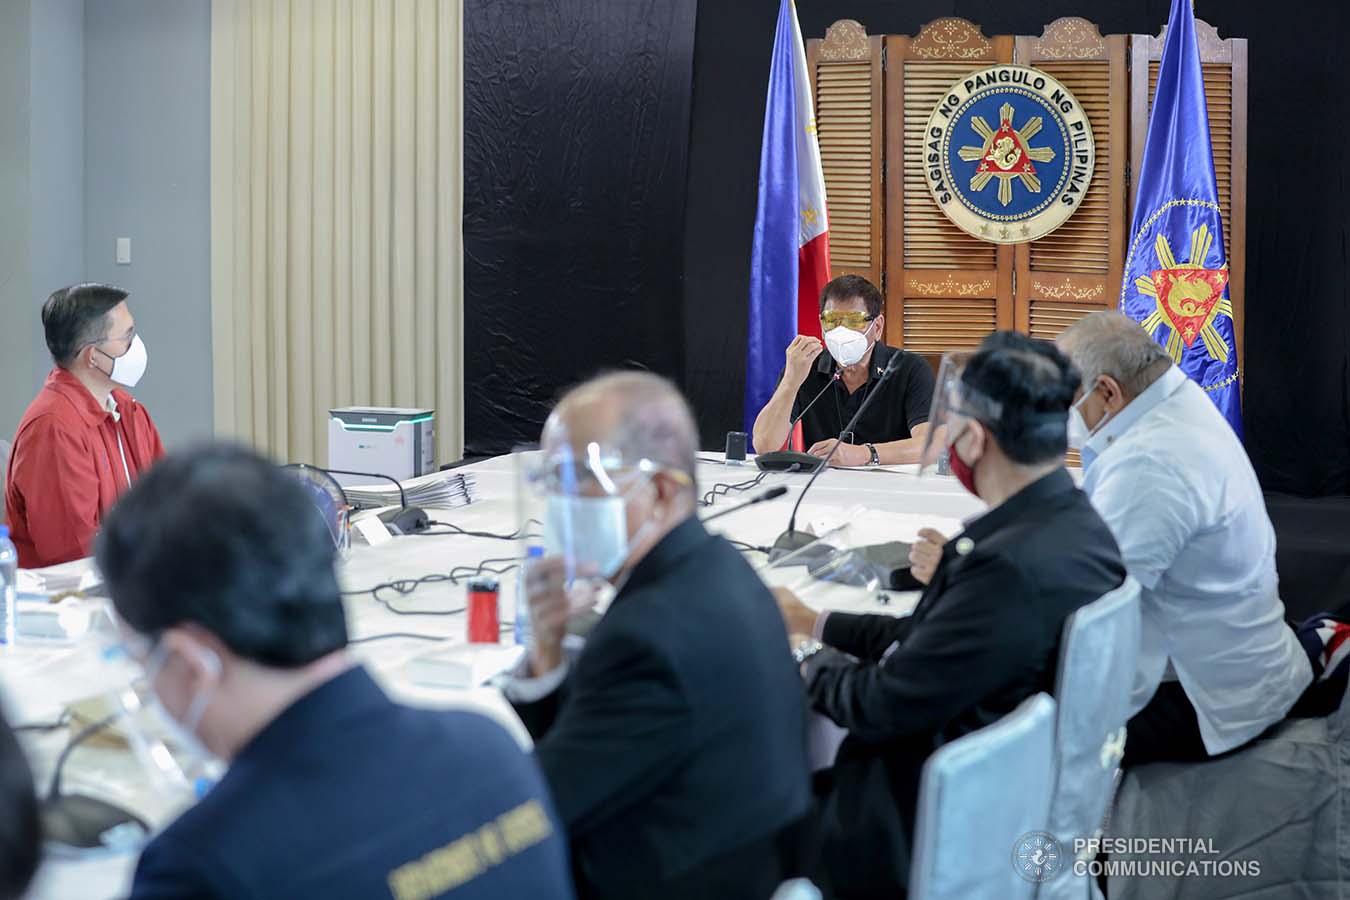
925	555
801	353
551	606
797	616
848	455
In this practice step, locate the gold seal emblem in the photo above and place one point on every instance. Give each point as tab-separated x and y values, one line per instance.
1008	154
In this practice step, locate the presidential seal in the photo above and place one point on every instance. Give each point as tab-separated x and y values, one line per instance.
1008	154
1038	857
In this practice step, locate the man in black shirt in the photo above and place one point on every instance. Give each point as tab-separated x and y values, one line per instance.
892	429
985	635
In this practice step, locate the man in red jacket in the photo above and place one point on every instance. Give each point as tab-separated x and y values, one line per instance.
84	439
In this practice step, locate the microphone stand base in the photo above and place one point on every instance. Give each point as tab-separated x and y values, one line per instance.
789	542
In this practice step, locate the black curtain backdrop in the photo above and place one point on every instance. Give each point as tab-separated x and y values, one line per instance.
576	133
607	222
1297	393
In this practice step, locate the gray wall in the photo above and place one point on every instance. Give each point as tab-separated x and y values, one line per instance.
106	112
56	140
147	111
18	317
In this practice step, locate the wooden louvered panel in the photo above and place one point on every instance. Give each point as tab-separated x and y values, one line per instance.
846	67
1049	320
1077	268
1082	244
945	290
1224	70
932	327
931	241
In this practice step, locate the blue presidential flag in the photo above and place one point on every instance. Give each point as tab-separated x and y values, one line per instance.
1176	273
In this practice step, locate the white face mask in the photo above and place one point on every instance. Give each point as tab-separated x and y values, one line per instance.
130	366
1078	430
1079	433
590	531
847	346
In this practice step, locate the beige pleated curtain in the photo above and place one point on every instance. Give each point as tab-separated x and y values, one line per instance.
335	216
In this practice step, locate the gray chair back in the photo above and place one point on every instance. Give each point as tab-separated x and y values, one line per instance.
984	805
1098	660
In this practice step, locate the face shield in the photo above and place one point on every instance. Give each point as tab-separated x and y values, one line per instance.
579	492
127	762
330	502
955	406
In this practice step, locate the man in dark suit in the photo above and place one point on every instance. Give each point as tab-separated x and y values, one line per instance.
985	634
222	575
20	833
675	741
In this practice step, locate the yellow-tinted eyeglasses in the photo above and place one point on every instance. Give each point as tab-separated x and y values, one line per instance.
851	319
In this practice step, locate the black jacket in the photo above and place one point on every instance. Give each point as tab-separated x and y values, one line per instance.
984	636
676	745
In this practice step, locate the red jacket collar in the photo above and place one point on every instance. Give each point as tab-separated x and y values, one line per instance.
77	395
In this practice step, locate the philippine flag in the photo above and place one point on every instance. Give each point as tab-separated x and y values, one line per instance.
790	262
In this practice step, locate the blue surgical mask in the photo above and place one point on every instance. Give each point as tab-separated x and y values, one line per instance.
198	768
589	531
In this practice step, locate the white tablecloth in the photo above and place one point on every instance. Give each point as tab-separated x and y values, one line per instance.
894	505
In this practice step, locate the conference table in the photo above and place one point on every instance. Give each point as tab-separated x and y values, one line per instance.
37	679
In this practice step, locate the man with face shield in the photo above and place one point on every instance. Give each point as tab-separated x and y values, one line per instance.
674	742
222	576
1218	664
826	389
84	440
985	634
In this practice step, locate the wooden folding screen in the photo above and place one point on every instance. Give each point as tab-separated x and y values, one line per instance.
847	67
1077	268
945	289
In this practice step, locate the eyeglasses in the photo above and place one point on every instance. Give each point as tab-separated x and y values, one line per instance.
851	319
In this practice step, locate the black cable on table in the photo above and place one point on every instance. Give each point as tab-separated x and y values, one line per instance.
519	534
721	489
405	586
400	634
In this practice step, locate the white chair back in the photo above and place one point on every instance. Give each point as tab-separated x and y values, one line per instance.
1097	663
983	799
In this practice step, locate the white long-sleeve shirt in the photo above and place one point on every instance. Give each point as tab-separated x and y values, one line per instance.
1177	489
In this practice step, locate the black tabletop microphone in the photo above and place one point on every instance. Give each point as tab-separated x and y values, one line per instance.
407	519
794	460
792	539
772	493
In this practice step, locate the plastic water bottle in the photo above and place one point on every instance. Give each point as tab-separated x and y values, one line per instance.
9	586
523	630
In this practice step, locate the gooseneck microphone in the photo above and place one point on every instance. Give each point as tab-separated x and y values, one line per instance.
792	539
792	423
794	460
772	493
83	821
402	497
408	519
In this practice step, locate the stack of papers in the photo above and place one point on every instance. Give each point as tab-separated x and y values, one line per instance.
439	490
